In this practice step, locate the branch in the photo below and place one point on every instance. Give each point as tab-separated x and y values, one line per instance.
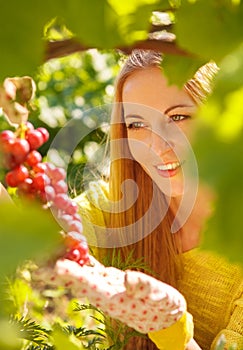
55	49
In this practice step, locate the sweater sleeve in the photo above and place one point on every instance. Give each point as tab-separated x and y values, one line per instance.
233	332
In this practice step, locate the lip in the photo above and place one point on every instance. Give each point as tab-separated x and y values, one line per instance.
168	172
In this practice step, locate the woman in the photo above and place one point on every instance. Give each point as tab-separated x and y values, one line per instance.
156	210
148	127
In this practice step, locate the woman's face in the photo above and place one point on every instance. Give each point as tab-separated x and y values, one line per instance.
158	118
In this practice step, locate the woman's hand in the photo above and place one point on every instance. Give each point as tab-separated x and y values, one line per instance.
134	298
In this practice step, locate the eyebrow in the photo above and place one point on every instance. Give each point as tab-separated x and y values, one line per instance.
133	116
177	106
165	112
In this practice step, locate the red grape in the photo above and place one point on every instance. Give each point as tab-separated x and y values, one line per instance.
57	174
60	186
35	138
72	208
50	193
44	133
75	225
39	168
33	158
36	179
7	135
40	180
61	201
19	149
16	176
26	186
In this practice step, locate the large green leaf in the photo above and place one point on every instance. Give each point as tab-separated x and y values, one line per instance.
230	76
21	36
26	232
108	24
179	69
219	155
209	28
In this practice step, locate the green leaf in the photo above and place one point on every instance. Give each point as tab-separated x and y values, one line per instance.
63	341
108	24
179	69
221	165
93	22
211	29
25	232
230	75
8	336
21	36
128	7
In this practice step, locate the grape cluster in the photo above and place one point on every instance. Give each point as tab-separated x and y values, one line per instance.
34	178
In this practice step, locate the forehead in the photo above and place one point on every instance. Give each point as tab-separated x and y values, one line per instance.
149	87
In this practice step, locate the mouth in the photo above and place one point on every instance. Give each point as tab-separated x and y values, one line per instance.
169	169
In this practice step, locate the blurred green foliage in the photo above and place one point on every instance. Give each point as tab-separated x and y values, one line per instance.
70	86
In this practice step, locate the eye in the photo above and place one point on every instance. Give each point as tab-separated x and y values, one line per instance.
136	125
179	117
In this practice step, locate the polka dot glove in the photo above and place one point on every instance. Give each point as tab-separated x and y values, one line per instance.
134	298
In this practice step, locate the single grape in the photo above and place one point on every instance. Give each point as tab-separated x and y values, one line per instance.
6	135
26	186
65	221
72	208
50	193
49	169
57	174
29	126
39	168
78	253
75	225
40	180
44	133
35	138
10	179
8	161
16	176
19	149
60	186
73	254
61	201
73	238
33	158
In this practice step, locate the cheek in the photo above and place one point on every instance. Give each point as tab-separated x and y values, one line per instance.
139	150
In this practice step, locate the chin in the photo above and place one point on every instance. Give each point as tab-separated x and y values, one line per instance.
175	190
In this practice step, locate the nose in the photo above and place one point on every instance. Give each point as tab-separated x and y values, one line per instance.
161	143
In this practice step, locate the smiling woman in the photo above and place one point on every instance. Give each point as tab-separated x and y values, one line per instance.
153	185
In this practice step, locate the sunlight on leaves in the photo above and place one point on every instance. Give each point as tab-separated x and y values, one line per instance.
25	232
204	28
63	341
180	69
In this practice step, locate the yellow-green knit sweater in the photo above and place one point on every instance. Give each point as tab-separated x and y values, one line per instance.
212	287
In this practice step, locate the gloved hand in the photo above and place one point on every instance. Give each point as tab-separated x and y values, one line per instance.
136	299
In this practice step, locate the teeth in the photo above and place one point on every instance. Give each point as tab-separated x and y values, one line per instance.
169	166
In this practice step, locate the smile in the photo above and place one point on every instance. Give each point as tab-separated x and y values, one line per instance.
169	169
169	166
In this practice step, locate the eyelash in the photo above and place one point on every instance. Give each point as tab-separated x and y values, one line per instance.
134	125
181	117
175	118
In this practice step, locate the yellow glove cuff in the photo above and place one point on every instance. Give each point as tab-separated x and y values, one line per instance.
176	336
